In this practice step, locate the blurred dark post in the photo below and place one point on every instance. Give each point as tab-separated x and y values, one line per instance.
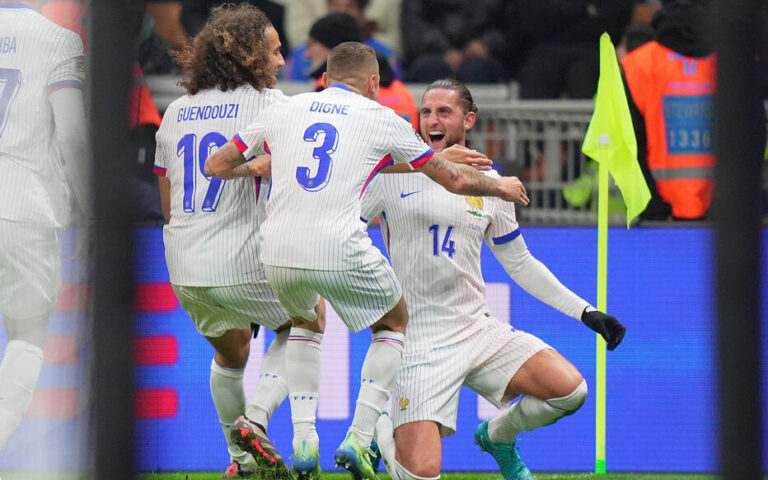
112	28
739	143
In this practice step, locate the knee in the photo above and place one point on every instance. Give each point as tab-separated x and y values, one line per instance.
395	320
418	466
236	357
574	400
316	327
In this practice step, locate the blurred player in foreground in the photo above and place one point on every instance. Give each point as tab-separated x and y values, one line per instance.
44	160
211	240
326	146
434	239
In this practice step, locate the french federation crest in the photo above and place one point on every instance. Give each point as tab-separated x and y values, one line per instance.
476	206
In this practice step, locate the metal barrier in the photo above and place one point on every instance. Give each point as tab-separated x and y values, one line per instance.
536	140
540	142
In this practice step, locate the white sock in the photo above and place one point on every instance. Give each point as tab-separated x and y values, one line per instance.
399	472
530	412
229	400
272	387
302	366
19	372
384	434
377	379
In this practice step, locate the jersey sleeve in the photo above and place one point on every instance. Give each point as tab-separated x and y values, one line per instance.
252	140
503	227
407	146
277	96
69	71
372	202
161	166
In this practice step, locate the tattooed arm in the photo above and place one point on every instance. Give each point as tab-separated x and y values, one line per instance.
223	161
465	180
455	154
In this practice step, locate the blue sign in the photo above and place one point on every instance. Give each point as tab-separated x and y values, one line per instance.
661	388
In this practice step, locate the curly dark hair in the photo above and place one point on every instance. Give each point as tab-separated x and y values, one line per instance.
230	51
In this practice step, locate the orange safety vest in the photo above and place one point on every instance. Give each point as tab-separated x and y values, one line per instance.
675	95
141	107
397	97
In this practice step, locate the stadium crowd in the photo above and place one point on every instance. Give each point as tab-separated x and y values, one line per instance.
546	49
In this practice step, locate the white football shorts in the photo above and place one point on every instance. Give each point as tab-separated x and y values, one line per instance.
214	310
428	382
360	297
30	270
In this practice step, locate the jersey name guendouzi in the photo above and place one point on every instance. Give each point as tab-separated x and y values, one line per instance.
208	112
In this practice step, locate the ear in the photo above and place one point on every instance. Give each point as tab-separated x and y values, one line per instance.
373	86
469	120
324	80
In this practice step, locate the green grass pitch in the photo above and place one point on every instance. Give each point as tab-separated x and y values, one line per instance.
466	476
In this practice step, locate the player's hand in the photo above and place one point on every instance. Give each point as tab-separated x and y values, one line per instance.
611	329
513	190
467	156
261	166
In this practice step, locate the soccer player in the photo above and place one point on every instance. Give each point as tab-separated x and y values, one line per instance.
211	240
326	146
44	161
434	240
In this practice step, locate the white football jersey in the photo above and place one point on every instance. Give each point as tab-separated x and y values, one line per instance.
36	57
434	239
212	238
326	146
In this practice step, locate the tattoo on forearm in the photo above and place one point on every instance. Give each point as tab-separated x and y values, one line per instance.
478	184
241	170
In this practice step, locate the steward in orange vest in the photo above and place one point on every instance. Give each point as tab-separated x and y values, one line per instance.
671	82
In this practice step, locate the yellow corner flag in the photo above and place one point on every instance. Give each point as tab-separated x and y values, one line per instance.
610	138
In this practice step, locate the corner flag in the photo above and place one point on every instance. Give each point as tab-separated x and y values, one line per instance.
610	138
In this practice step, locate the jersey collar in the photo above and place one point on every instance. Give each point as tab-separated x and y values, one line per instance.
16	5
341	86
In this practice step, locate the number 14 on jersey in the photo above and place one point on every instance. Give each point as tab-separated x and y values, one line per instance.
448	244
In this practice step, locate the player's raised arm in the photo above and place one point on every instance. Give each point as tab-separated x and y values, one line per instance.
228	162
465	180
455	153
536	279
223	161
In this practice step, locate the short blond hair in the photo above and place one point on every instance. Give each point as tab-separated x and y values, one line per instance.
351	62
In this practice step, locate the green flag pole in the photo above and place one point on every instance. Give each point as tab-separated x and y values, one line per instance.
602	288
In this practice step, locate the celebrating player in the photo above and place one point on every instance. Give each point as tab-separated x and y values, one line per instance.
434	240
211	239
326	146
43	159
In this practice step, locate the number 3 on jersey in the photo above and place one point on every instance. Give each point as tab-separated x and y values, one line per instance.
322	154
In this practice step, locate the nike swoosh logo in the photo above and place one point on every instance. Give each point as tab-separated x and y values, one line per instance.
403	195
